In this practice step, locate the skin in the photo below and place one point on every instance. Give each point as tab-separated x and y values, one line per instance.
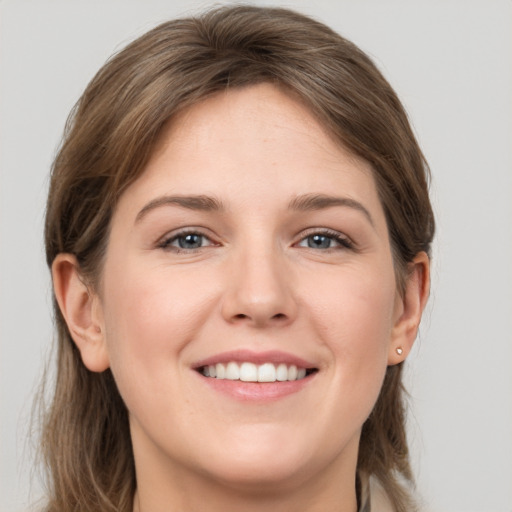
255	284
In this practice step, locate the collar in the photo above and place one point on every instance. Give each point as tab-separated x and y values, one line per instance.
373	495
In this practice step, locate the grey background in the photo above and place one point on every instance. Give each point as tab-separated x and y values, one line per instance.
451	63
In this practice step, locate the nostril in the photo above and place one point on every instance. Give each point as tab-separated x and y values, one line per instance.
259	317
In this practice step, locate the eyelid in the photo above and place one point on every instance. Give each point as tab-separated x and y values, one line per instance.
165	241
343	240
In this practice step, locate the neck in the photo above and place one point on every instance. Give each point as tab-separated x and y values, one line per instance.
218	498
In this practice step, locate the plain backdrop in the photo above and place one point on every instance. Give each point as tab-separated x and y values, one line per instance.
451	64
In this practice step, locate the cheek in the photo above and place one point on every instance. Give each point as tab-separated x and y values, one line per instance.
354	320
151	315
354	308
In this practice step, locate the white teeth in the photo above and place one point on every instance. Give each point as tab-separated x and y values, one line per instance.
282	372
250	372
232	371
267	373
220	371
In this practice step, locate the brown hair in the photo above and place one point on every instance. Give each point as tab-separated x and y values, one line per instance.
108	138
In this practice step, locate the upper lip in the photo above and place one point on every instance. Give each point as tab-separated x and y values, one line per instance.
242	356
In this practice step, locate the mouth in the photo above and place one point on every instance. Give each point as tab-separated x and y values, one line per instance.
247	371
257	377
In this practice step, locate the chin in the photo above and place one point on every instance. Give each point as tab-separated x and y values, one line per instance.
261	477
268	463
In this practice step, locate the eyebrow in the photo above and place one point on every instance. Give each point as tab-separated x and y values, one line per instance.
200	203
308	202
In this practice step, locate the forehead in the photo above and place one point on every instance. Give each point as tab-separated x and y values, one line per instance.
257	142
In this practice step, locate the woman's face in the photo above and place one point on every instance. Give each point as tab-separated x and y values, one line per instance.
255	247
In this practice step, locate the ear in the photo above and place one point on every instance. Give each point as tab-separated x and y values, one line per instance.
409	308
81	309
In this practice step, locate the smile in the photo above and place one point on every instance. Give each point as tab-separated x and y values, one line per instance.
250	372
257	377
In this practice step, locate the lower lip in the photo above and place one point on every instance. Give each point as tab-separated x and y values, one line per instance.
256	391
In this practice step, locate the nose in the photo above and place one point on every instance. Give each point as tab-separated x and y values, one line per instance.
259	290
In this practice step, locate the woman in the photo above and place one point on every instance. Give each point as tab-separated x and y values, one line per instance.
238	228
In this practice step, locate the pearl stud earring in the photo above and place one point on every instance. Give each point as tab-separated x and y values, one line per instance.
399	350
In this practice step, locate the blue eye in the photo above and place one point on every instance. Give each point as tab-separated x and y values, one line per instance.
190	241
186	242
319	241
325	241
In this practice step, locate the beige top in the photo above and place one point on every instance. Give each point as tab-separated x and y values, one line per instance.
373	496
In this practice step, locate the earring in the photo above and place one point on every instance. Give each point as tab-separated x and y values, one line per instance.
399	350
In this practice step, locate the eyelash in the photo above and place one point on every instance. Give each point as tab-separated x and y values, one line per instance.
342	241
165	244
